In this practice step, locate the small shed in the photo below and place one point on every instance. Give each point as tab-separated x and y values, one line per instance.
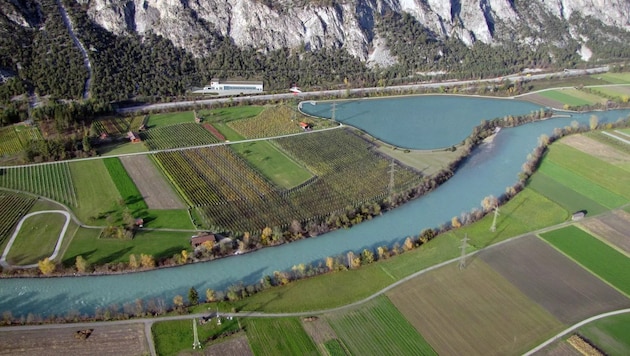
197	240
139	222
133	137
305	125
578	215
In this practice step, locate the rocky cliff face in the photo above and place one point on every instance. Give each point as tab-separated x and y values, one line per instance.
350	24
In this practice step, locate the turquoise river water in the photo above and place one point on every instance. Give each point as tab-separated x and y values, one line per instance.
489	170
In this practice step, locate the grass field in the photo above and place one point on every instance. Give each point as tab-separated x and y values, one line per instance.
582	185
472	311
98	251
427	162
611	335
595	255
224	115
167	119
279	336
378	328
272	163
566	197
174	337
334	348
125	185
167	219
96	192
606	175
618	92
120	148
36	239
571	97
614	78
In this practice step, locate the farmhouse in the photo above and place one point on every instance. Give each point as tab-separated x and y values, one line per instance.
197	240
133	137
219	85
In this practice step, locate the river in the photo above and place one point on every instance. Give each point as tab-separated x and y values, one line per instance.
489	170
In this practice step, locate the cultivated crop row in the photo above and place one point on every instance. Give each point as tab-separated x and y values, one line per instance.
174	136
14	139
52	181
379	328
271	122
279	336
231	194
12	208
111	126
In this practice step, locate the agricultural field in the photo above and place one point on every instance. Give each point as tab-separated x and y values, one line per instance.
610	334
96	192
98	251
563	288
233	346
225	188
572	97
173	337
112	126
275	121
616	145
48	180
36	239
13	139
564	196
538	98
273	164
175	136
595	255
619	92
125	185
168	119
279	336
12	207
614	78
615	179
464	312
153	186
613	227
105	340
378	328
322	334
590	145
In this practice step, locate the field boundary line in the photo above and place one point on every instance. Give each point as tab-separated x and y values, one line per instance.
573	327
616	137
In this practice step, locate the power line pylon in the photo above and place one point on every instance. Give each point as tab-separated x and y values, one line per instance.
462	258
391	185
196	343
493	228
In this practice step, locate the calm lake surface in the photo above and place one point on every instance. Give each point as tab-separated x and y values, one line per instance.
490	169
419	122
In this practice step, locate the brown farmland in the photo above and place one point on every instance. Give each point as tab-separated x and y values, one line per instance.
235	346
541	100
155	190
597	149
473	312
319	330
614	228
560	348
112	340
559	285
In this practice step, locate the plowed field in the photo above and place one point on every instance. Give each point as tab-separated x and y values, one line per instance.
155	190
614	228
595	148
113	340
473	312
566	290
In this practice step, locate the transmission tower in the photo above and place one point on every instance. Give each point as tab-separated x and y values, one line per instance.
462	258
333	109
493	228
392	170
196	343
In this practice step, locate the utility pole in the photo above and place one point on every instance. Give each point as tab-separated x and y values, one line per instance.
392	170
493	228
196	343
462	258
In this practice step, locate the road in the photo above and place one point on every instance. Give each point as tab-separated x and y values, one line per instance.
342	92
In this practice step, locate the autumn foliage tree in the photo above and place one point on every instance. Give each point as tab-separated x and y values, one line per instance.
46	266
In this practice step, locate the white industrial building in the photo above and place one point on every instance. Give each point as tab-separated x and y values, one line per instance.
219	85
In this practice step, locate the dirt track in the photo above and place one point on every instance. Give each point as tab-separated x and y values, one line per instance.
155	190
559	285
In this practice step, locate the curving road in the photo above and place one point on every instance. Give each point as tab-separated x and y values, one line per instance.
79	45
3	259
